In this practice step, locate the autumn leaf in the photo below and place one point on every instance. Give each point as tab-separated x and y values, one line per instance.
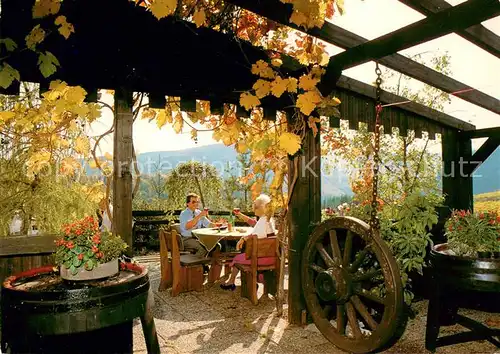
47	63
262	88
178	122
82	145
9	44
289	142
307	101
6	116
248	101
262	69
276	62
69	165
163	8
43	8
194	134
241	147
7	75
148	113
298	18
340	6
307	82
94	112
161	119
199	17
256	188
75	94
65	28
312	123
37	161
278	86
108	156
291	85
92	164
37	35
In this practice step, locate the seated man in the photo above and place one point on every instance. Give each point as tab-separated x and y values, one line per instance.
190	219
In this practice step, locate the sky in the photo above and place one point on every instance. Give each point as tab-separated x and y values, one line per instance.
370	19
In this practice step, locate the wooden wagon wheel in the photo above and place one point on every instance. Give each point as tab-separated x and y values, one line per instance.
352	285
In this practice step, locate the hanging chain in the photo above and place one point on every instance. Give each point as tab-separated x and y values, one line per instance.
374	221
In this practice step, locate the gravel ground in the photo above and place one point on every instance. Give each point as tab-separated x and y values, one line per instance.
218	321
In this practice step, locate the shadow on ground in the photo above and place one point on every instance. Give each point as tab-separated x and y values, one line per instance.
219	321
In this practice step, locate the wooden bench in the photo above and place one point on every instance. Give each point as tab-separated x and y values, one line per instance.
257	248
183	272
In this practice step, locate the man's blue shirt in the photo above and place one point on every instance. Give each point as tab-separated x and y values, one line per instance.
187	215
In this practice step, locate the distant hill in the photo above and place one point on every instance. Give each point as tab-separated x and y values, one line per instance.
487	176
334	183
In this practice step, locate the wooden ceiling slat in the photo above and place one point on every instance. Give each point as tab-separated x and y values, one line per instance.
477	34
330	33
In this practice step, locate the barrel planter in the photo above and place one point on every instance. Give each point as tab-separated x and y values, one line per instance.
42	313
455	281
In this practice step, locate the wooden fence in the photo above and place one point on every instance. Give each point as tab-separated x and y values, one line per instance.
20	253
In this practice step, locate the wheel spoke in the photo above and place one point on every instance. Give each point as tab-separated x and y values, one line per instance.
335	245
360	257
347	249
316	268
367	276
341	319
353	321
328	311
363	311
324	254
370	296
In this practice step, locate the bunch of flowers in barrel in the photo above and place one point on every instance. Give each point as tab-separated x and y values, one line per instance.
84	246
469	233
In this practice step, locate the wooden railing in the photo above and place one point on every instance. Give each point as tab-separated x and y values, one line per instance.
20	253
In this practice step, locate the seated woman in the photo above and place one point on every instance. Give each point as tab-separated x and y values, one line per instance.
263	228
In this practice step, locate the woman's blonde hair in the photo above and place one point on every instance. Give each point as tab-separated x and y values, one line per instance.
265	201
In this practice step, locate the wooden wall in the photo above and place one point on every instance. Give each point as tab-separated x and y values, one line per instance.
20	253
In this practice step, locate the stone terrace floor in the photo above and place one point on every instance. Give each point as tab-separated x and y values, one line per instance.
218	321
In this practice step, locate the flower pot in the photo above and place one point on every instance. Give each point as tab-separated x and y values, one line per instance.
483	254
104	270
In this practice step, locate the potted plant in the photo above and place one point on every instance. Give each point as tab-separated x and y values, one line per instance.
473	234
85	253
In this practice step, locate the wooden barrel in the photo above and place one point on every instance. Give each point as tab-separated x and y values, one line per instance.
464	273
41	313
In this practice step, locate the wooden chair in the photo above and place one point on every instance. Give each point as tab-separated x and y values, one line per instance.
183	272
259	248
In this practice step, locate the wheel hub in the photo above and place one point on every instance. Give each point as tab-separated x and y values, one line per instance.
333	285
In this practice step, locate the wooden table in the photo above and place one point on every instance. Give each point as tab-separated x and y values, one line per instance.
210	237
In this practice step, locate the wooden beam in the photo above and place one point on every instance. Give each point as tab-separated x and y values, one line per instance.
389	98
22	245
157	100
483	133
457	183
188	104
330	33
303	215
436	25
122	164
484	151
477	34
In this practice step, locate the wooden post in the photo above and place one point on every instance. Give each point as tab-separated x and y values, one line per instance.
122	164
457	182
303	215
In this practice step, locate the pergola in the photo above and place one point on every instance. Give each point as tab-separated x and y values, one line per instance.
120	46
